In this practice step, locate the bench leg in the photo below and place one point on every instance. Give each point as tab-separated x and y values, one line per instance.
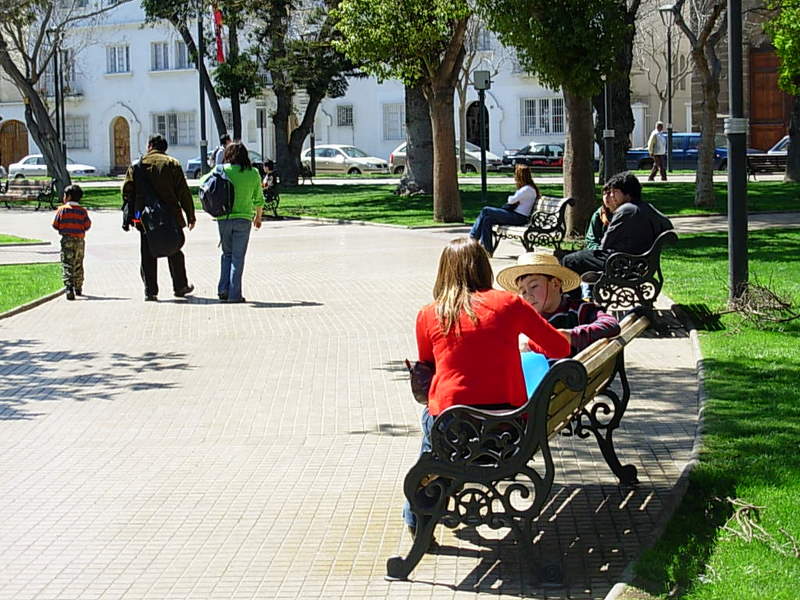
429	504
597	421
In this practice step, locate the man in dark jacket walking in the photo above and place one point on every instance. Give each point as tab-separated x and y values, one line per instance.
168	182
633	228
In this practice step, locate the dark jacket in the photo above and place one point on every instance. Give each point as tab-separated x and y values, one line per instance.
633	228
168	182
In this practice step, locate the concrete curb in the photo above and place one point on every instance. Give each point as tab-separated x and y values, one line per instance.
682	484
32	304
332	221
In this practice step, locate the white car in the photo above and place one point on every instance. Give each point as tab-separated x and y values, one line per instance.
780	147
472	163
340	158
35	165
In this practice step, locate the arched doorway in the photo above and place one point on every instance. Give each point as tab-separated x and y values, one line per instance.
473	124
121	144
13	142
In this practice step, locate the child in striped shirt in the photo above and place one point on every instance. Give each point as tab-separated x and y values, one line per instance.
72	221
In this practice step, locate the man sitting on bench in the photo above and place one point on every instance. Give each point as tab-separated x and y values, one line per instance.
634	226
541	281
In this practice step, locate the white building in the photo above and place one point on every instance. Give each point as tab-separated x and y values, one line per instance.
127	80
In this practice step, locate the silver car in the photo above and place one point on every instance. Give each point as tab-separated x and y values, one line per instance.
35	165
340	158
397	159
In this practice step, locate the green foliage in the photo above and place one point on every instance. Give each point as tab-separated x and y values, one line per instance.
238	75
751	432
564	44
784	28
401	40
20	284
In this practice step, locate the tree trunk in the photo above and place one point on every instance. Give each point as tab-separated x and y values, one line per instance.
37	119
446	198
793	153
283	157
578	158
233	56
299	135
211	93
704	182
619	90
418	172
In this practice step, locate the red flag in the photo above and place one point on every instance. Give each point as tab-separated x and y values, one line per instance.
218	34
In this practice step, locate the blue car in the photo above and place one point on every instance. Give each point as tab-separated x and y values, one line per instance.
684	153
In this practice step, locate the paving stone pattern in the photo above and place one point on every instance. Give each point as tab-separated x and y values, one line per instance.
190	449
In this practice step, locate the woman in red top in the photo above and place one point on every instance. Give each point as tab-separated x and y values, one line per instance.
470	333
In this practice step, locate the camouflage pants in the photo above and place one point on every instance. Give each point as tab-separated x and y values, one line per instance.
72	250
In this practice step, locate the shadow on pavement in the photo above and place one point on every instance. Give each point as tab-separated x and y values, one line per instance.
29	375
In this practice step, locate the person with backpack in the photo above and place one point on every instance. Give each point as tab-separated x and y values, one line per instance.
217	157
234	218
158	177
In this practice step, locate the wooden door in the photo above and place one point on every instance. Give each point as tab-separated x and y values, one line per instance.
122	144
769	106
13	142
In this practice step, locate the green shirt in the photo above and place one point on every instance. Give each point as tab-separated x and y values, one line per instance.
247	191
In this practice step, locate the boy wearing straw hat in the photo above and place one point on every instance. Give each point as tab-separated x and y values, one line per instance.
542	281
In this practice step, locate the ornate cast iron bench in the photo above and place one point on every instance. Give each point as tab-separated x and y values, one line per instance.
24	190
546	227
495	468
631	280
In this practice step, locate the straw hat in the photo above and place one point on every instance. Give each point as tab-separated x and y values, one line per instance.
537	263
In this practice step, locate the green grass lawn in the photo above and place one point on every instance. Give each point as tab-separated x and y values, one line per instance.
377	202
13	239
20	284
752	432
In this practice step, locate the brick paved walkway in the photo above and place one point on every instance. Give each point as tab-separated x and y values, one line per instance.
188	449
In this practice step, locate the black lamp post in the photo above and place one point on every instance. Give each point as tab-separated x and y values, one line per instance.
201	52
736	130
608	134
667	13
482	81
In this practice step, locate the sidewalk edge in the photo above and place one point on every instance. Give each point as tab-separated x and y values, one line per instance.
682	484
32	304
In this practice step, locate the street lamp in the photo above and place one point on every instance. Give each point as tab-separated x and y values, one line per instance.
482	81
608	134
667	12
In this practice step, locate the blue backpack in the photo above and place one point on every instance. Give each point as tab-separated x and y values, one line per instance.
216	193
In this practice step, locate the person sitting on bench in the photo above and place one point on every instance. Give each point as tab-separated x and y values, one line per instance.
516	211
540	280
469	334
634	225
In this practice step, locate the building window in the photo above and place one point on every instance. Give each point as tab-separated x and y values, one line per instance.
118	59
344	115
227	118
541	116
181	55
66	65
483	40
159	56
76	133
177	128
394	121
682	69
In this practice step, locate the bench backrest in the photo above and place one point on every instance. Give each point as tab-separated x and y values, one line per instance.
28	186
547	225
631	280
495	444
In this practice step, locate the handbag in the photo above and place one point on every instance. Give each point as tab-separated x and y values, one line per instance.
421	374
161	230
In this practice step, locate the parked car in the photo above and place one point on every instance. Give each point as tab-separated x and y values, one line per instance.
35	165
472	164
542	155
684	153
341	158
193	171
780	147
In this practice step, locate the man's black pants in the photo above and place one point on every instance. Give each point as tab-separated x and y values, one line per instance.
149	269
585	260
